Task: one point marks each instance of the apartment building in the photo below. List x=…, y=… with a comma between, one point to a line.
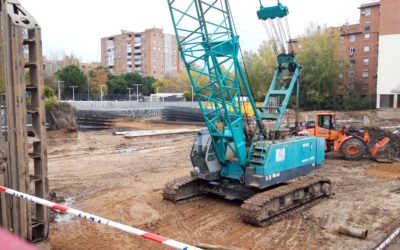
x=149, y=53
x=371, y=50
x=86, y=67
x=359, y=44
x=388, y=89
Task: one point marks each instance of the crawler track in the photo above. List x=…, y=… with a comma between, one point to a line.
x=273, y=205
x=182, y=190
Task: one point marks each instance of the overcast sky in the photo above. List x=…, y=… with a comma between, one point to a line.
x=76, y=26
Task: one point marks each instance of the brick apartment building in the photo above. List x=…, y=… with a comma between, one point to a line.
x=388, y=90
x=149, y=53
x=371, y=48
x=359, y=44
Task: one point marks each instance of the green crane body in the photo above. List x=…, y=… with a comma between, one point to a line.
x=225, y=161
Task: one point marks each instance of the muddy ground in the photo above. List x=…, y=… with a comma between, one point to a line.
x=122, y=179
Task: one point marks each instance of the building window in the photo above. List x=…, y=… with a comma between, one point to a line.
x=352, y=86
x=352, y=74
x=352, y=63
x=352, y=38
x=367, y=12
x=341, y=39
x=340, y=86
x=340, y=75
x=367, y=36
x=366, y=61
x=367, y=26
x=365, y=74
x=364, y=86
x=366, y=48
x=340, y=52
x=352, y=51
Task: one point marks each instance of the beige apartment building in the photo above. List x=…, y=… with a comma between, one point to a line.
x=149, y=53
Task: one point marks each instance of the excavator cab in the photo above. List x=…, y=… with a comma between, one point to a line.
x=326, y=126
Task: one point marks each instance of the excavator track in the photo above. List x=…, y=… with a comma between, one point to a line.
x=273, y=205
x=183, y=189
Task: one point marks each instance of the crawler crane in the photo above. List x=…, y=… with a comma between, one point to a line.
x=262, y=168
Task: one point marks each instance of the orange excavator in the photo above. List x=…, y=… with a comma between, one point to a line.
x=351, y=144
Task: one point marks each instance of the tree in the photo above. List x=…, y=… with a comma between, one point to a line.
x=321, y=60
x=117, y=85
x=55, y=61
x=146, y=87
x=178, y=84
x=72, y=76
x=260, y=67
x=98, y=77
x=49, y=91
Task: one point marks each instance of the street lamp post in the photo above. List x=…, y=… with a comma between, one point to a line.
x=137, y=92
x=73, y=92
x=129, y=89
x=59, y=89
x=88, y=89
x=192, y=93
x=101, y=92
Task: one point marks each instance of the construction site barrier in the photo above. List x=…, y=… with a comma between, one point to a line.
x=90, y=217
x=385, y=243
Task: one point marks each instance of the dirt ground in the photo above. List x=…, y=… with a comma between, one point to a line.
x=122, y=179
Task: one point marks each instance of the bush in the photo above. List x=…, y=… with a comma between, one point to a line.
x=49, y=91
x=50, y=103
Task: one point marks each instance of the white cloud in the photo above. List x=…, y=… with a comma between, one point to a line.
x=77, y=25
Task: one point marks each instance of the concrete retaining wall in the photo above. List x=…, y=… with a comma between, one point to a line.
x=127, y=105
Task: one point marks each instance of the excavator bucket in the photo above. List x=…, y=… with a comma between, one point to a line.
x=380, y=153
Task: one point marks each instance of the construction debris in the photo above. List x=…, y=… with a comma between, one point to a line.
x=62, y=116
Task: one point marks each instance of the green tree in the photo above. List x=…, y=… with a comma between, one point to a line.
x=72, y=76
x=49, y=91
x=260, y=68
x=117, y=85
x=320, y=57
x=146, y=87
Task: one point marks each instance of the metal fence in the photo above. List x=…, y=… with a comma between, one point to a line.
x=127, y=105
x=140, y=98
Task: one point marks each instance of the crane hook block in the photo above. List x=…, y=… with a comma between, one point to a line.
x=273, y=12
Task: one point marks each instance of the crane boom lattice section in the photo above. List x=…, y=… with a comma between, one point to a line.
x=209, y=48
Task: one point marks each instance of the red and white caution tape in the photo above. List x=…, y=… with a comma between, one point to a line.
x=100, y=220
x=387, y=241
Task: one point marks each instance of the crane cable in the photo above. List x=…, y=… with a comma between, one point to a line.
x=277, y=35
